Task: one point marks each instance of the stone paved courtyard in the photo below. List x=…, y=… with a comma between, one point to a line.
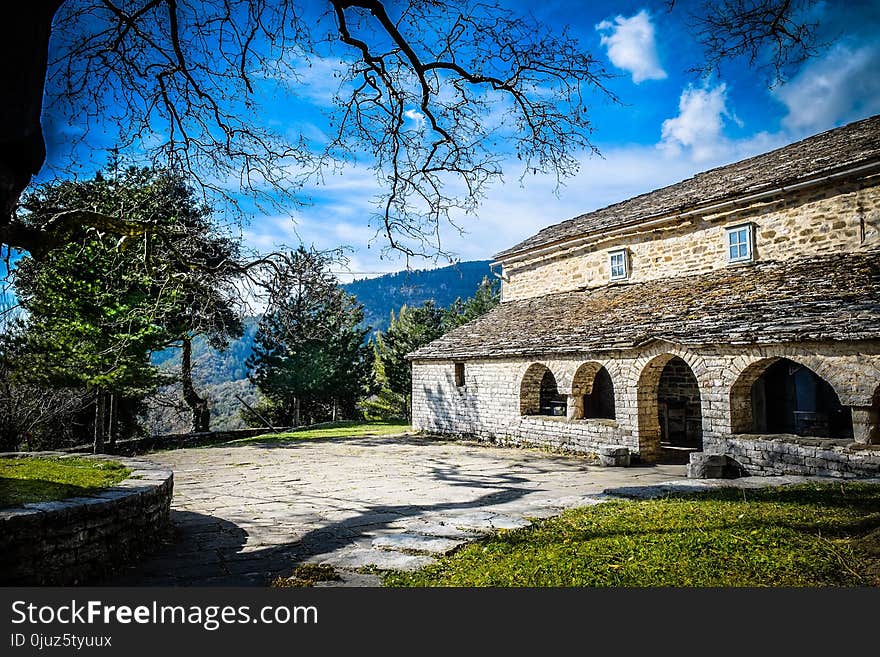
x=245, y=514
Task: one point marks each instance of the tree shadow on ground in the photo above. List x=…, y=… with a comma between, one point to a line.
x=15, y=492
x=368, y=440
x=210, y=551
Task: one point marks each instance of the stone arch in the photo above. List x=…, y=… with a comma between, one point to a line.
x=539, y=392
x=592, y=392
x=648, y=395
x=582, y=381
x=783, y=395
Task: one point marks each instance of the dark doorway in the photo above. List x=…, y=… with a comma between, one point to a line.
x=600, y=402
x=552, y=403
x=791, y=398
x=678, y=407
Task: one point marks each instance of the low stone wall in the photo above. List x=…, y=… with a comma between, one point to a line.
x=78, y=540
x=578, y=436
x=144, y=444
x=785, y=454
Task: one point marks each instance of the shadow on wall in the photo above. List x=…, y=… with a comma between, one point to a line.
x=457, y=405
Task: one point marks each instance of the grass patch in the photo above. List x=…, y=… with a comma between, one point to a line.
x=807, y=535
x=308, y=574
x=36, y=479
x=349, y=429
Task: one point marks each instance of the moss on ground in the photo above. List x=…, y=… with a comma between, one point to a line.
x=307, y=575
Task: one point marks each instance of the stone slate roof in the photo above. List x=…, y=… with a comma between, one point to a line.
x=825, y=298
x=822, y=154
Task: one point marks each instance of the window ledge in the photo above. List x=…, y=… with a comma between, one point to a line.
x=562, y=419
x=805, y=441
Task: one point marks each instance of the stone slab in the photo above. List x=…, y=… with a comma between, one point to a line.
x=416, y=543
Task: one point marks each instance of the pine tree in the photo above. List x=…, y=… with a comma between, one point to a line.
x=97, y=306
x=310, y=360
x=411, y=329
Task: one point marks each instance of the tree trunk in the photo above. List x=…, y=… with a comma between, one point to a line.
x=296, y=412
x=111, y=420
x=201, y=414
x=100, y=421
x=25, y=28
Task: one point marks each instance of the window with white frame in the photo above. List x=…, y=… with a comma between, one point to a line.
x=618, y=264
x=739, y=243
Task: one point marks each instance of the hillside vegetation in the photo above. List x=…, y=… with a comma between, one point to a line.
x=221, y=374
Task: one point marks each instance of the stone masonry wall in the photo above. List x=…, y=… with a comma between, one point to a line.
x=813, y=222
x=488, y=405
x=78, y=540
x=775, y=455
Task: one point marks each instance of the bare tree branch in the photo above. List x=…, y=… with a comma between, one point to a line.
x=770, y=34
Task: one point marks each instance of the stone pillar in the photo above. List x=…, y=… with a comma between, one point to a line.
x=866, y=424
x=575, y=407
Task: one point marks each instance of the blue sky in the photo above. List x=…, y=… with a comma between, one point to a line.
x=669, y=126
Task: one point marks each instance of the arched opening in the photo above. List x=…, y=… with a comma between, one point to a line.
x=599, y=403
x=539, y=394
x=670, y=410
x=679, y=411
x=781, y=396
x=593, y=393
x=551, y=402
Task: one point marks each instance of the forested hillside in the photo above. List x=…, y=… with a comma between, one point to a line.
x=222, y=374
x=386, y=293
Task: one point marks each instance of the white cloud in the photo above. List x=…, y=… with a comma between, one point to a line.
x=319, y=79
x=416, y=117
x=631, y=46
x=697, y=129
x=841, y=86
x=509, y=213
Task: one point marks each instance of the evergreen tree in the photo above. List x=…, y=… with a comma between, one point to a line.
x=310, y=361
x=460, y=312
x=98, y=307
x=411, y=329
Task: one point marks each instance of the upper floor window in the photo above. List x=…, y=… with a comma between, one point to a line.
x=459, y=374
x=739, y=243
x=618, y=264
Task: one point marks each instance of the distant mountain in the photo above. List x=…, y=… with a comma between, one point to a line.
x=212, y=365
x=385, y=293
x=222, y=374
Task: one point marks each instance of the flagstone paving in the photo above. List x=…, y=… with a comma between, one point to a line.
x=246, y=514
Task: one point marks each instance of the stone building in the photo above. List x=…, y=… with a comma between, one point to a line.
x=735, y=313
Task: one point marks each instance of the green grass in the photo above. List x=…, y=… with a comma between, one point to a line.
x=808, y=535
x=306, y=575
x=330, y=430
x=36, y=479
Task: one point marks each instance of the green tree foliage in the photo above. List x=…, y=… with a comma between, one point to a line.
x=411, y=329
x=310, y=361
x=98, y=306
x=486, y=297
x=412, y=287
